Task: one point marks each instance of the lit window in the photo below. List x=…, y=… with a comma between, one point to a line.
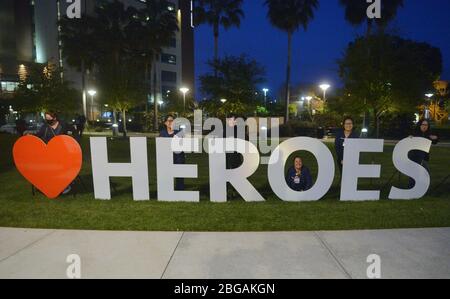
x=168, y=58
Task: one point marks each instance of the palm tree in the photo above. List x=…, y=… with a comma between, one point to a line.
x=110, y=25
x=289, y=16
x=217, y=13
x=77, y=47
x=159, y=26
x=356, y=13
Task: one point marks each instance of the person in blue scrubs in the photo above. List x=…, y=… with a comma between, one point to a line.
x=299, y=177
x=347, y=132
x=179, y=158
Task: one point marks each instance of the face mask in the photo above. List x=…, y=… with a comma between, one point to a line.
x=51, y=122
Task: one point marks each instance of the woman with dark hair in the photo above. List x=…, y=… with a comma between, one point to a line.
x=347, y=132
x=423, y=130
x=53, y=127
x=168, y=131
x=298, y=176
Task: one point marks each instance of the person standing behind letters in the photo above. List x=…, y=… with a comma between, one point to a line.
x=423, y=130
x=178, y=158
x=341, y=136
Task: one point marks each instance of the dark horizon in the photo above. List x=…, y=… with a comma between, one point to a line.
x=316, y=51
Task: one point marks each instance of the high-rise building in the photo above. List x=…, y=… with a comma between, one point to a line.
x=29, y=33
x=16, y=42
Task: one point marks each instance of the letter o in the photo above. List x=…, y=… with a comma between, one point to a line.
x=276, y=169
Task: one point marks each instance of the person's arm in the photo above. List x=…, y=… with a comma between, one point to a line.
x=41, y=132
x=70, y=130
x=308, y=179
x=434, y=139
x=339, y=148
x=289, y=181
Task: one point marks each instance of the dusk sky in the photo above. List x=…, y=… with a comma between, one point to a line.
x=316, y=51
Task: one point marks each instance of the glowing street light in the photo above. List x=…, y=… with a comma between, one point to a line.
x=223, y=101
x=429, y=96
x=265, y=90
x=92, y=93
x=324, y=88
x=184, y=91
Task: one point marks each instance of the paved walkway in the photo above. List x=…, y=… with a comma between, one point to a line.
x=416, y=253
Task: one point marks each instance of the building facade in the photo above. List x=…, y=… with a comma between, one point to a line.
x=29, y=33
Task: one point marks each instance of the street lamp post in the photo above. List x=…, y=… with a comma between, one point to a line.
x=92, y=93
x=430, y=96
x=309, y=99
x=324, y=88
x=265, y=90
x=223, y=101
x=184, y=91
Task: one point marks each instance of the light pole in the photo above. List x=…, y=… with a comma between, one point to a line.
x=309, y=99
x=324, y=88
x=184, y=91
x=430, y=96
x=223, y=101
x=265, y=90
x=92, y=93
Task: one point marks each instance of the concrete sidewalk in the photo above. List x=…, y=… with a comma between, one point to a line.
x=415, y=253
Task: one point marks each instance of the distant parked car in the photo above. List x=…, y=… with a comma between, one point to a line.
x=330, y=132
x=8, y=128
x=33, y=128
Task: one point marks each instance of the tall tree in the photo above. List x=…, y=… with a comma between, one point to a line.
x=391, y=77
x=289, y=16
x=217, y=13
x=356, y=13
x=110, y=26
x=234, y=79
x=78, y=47
x=119, y=38
x=43, y=90
x=158, y=26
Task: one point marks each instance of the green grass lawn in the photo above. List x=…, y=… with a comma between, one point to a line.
x=18, y=208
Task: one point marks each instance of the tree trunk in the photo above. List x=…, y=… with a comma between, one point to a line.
x=288, y=76
x=369, y=28
x=146, y=81
x=216, y=47
x=83, y=88
x=124, y=121
x=376, y=119
x=115, y=126
x=155, y=100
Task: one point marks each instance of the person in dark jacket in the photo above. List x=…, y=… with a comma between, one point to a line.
x=341, y=136
x=54, y=127
x=80, y=124
x=423, y=130
x=21, y=127
x=298, y=176
x=168, y=131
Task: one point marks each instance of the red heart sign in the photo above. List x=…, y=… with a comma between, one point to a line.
x=50, y=168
